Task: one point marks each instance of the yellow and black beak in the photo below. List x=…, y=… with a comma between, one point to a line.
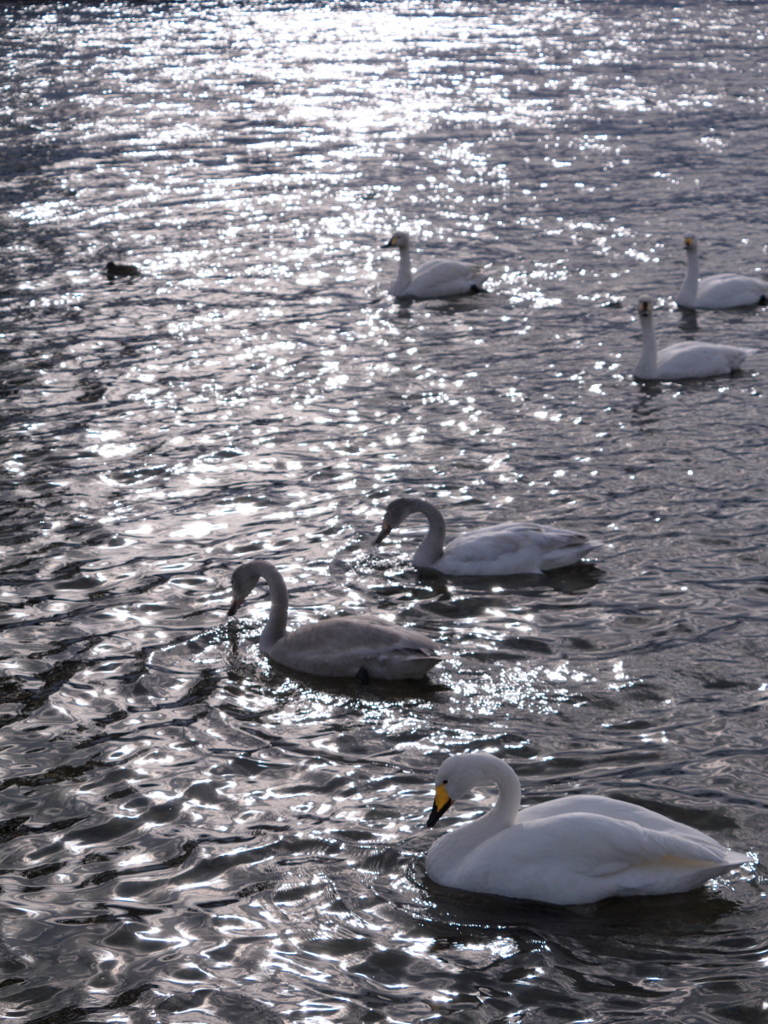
x=391, y=244
x=440, y=806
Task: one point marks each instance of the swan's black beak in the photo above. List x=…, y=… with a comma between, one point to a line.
x=385, y=531
x=440, y=806
x=236, y=602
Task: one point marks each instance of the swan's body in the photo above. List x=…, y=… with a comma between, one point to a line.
x=686, y=359
x=718, y=291
x=506, y=549
x=342, y=647
x=435, y=279
x=575, y=849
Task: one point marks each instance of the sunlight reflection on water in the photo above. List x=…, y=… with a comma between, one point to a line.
x=203, y=831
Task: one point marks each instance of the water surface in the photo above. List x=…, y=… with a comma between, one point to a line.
x=188, y=834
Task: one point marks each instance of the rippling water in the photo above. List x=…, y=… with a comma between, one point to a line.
x=187, y=834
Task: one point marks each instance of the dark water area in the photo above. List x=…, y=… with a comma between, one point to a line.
x=188, y=834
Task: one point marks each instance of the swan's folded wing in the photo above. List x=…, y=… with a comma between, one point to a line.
x=437, y=278
x=574, y=858
x=627, y=845
x=517, y=548
x=700, y=359
x=723, y=291
x=624, y=859
x=344, y=645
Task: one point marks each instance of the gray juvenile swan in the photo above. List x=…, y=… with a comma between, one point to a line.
x=575, y=849
x=343, y=647
x=686, y=359
x=505, y=549
x=435, y=279
x=718, y=291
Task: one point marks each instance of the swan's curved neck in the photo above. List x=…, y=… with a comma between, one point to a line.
x=278, y=611
x=403, y=269
x=431, y=548
x=687, y=294
x=504, y=811
x=647, y=364
x=500, y=816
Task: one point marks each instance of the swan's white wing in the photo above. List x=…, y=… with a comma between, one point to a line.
x=723, y=291
x=699, y=359
x=582, y=857
x=510, y=548
x=630, y=859
x=441, y=278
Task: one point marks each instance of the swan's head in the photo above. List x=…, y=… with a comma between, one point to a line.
x=396, y=511
x=690, y=243
x=399, y=240
x=244, y=579
x=645, y=309
x=457, y=776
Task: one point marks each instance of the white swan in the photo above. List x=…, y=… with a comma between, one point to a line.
x=718, y=291
x=686, y=359
x=435, y=279
x=342, y=647
x=575, y=849
x=506, y=549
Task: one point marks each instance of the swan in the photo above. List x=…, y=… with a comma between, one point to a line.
x=719, y=291
x=575, y=849
x=342, y=647
x=505, y=549
x=435, y=279
x=686, y=359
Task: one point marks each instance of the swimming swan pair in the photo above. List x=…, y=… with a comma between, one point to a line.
x=442, y=278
